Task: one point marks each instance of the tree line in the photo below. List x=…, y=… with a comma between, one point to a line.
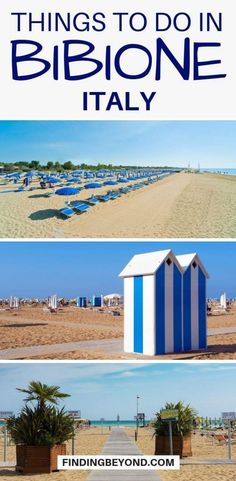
x=66, y=166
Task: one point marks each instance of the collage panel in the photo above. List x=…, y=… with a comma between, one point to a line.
x=87, y=412
x=112, y=300
x=117, y=179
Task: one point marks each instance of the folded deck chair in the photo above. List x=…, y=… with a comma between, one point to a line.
x=67, y=212
x=80, y=206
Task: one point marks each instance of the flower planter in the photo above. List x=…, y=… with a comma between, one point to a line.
x=181, y=445
x=38, y=459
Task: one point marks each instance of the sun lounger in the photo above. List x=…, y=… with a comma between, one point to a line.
x=80, y=206
x=67, y=212
x=104, y=198
x=125, y=190
x=114, y=195
x=92, y=200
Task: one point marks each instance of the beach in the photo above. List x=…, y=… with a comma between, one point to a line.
x=91, y=442
x=203, y=448
x=181, y=205
x=74, y=333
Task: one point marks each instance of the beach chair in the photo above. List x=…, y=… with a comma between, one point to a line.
x=80, y=206
x=92, y=200
x=67, y=212
x=125, y=190
x=114, y=195
x=104, y=198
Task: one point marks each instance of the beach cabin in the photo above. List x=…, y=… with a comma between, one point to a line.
x=153, y=304
x=194, y=302
x=81, y=302
x=97, y=301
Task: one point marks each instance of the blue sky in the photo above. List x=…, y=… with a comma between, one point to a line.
x=106, y=389
x=212, y=143
x=39, y=269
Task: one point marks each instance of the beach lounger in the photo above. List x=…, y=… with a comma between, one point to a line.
x=104, y=198
x=114, y=195
x=92, y=200
x=125, y=190
x=80, y=206
x=67, y=212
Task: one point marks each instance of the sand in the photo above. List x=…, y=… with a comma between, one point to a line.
x=89, y=441
x=203, y=448
x=33, y=326
x=30, y=326
x=182, y=205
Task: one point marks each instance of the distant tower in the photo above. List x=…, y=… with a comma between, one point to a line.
x=198, y=168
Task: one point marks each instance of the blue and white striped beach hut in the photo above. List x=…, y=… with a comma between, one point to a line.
x=81, y=302
x=97, y=301
x=194, y=302
x=153, y=304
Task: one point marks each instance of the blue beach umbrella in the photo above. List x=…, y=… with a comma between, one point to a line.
x=52, y=180
x=123, y=181
x=67, y=191
x=74, y=180
x=110, y=182
x=93, y=185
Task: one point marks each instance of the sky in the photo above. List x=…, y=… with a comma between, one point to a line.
x=107, y=389
x=212, y=143
x=70, y=269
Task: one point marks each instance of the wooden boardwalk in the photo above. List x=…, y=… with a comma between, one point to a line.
x=120, y=444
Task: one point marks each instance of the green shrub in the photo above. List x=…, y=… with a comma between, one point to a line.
x=182, y=427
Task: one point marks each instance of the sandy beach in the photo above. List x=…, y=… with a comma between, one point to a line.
x=30, y=327
x=92, y=441
x=181, y=205
x=89, y=441
x=203, y=448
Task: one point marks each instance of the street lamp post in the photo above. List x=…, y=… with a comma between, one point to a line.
x=137, y=411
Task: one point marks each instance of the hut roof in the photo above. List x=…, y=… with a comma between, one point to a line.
x=147, y=264
x=187, y=259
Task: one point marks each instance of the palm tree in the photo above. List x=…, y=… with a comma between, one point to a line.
x=43, y=394
x=183, y=426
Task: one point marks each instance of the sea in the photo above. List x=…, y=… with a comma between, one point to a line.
x=220, y=171
x=106, y=423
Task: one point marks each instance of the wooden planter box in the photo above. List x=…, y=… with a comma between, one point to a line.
x=182, y=446
x=38, y=459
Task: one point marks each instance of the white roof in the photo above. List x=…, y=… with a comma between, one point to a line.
x=112, y=296
x=147, y=264
x=186, y=259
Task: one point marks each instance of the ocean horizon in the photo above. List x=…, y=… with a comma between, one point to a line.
x=126, y=422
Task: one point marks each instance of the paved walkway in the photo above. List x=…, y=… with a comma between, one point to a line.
x=120, y=444
x=109, y=346
x=208, y=462
x=221, y=330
